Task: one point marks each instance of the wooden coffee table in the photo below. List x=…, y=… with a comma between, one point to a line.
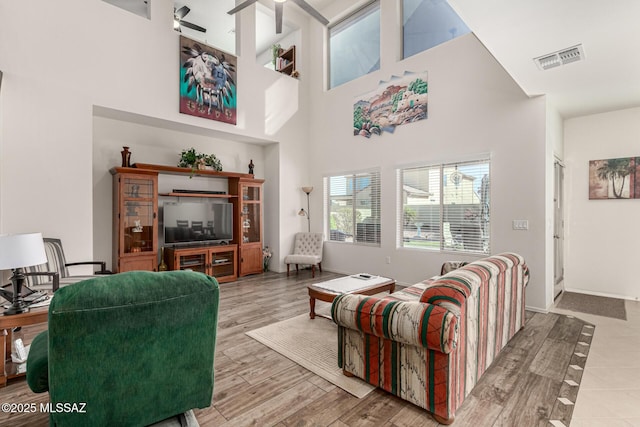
x=34, y=316
x=363, y=284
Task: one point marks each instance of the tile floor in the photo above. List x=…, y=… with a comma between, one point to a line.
x=609, y=394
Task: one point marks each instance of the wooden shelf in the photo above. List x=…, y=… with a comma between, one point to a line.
x=188, y=171
x=286, y=62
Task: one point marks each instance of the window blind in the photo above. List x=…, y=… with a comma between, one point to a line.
x=445, y=207
x=352, y=207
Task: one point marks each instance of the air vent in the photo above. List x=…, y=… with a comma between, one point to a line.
x=561, y=57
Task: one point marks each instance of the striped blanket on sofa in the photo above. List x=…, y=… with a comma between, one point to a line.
x=431, y=342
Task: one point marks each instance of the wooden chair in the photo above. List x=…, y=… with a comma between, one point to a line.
x=55, y=273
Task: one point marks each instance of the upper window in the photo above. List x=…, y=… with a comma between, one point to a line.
x=428, y=23
x=352, y=207
x=445, y=207
x=354, y=45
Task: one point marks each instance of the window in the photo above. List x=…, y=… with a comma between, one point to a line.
x=445, y=207
x=352, y=207
x=428, y=23
x=354, y=45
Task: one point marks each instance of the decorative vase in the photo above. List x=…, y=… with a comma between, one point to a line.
x=162, y=266
x=126, y=157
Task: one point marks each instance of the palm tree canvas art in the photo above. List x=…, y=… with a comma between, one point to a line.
x=614, y=178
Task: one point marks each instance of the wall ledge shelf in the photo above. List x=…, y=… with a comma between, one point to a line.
x=188, y=171
x=211, y=196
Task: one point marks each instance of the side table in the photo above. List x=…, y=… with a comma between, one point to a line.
x=7, y=324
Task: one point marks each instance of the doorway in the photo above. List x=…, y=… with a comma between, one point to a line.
x=558, y=228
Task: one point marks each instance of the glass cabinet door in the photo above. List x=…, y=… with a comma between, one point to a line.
x=251, y=222
x=139, y=214
x=250, y=193
x=223, y=263
x=251, y=214
x=194, y=262
x=138, y=188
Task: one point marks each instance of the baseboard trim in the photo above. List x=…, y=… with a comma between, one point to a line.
x=536, y=309
x=601, y=294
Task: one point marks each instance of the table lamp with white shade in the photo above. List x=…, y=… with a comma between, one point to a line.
x=16, y=252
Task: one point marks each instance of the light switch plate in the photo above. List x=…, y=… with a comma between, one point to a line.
x=520, y=224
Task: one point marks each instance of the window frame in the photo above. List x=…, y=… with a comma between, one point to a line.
x=484, y=208
x=403, y=42
x=351, y=17
x=376, y=205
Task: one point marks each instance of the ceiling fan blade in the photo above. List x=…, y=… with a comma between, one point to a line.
x=182, y=12
x=279, y=7
x=241, y=6
x=192, y=26
x=311, y=11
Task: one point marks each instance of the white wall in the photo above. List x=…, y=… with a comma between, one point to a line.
x=106, y=59
x=474, y=108
x=602, y=235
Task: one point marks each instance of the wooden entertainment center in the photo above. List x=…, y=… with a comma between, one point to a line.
x=136, y=233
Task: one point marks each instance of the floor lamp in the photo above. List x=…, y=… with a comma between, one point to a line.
x=18, y=251
x=302, y=212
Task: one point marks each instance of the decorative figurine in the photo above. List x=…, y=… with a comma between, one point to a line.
x=251, y=167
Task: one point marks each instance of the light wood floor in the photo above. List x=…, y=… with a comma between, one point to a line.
x=257, y=386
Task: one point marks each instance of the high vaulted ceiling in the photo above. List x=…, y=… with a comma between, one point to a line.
x=516, y=32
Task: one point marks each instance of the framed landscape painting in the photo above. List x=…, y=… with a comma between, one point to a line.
x=207, y=82
x=614, y=178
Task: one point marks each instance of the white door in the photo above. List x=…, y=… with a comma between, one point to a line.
x=558, y=229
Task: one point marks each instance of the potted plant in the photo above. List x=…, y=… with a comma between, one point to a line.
x=212, y=161
x=189, y=159
x=276, y=50
x=266, y=257
x=192, y=159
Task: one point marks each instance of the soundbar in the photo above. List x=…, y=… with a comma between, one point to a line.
x=199, y=191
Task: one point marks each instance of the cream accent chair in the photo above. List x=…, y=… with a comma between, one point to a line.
x=307, y=250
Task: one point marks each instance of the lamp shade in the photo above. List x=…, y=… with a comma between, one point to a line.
x=307, y=189
x=21, y=250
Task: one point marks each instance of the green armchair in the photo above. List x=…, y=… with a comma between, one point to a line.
x=134, y=348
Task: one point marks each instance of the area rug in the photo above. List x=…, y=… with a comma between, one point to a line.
x=592, y=304
x=312, y=344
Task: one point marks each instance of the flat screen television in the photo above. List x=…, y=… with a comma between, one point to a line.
x=197, y=222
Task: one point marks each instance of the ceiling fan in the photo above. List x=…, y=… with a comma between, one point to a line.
x=178, y=22
x=279, y=6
